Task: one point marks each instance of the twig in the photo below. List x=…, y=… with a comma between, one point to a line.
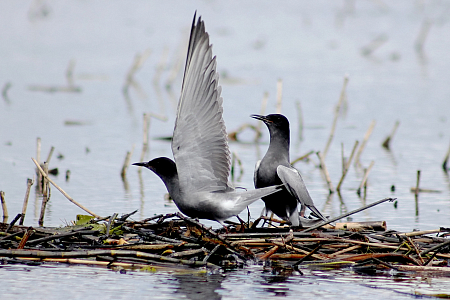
x=211, y=253
x=336, y=116
x=5, y=89
x=279, y=95
x=423, y=33
x=387, y=141
x=235, y=158
x=110, y=221
x=13, y=222
x=325, y=172
x=25, y=201
x=364, y=142
x=25, y=237
x=302, y=157
x=347, y=166
x=69, y=72
x=366, y=175
x=50, y=155
x=126, y=163
x=62, y=191
x=4, y=208
x=349, y=213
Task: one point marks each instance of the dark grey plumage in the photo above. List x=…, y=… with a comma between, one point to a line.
x=198, y=179
x=275, y=168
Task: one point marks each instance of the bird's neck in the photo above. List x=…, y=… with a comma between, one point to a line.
x=279, y=145
x=172, y=184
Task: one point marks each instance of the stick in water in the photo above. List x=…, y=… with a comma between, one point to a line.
x=62, y=191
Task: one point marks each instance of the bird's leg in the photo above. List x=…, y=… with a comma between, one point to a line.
x=264, y=212
x=302, y=210
x=242, y=223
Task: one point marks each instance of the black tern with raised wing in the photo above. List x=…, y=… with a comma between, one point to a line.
x=198, y=179
x=275, y=168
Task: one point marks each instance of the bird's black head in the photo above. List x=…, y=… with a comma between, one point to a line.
x=162, y=166
x=274, y=121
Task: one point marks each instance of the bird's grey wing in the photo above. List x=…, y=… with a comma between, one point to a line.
x=296, y=186
x=199, y=144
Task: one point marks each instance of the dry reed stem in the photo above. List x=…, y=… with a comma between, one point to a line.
x=416, y=191
x=4, y=208
x=69, y=72
x=336, y=115
x=387, y=141
x=62, y=191
x=348, y=214
x=279, y=96
x=366, y=175
x=49, y=157
x=126, y=163
x=25, y=200
x=347, y=166
x=373, y=45
x=422, y=36
x=302, y=157
x=364, y=142
x=235, y=158
x=325, y=172
x=5, y=89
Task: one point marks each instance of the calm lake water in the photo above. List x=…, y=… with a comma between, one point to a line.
x=309, y=45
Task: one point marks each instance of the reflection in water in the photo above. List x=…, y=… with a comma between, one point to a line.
x=200, y=287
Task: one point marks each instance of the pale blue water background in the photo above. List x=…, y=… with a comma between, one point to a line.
x=309, y=45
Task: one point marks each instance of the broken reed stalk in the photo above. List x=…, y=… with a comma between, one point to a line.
x=4, y=208
x=325, y=172
x=235, y=158
x=373, y=45
x=126, y=163
x=444, y=164
x=145, y=128
x=69, y=72
x=416, y=191
x=62, y=191
x=349, y=213
x=279, y=95
x=300, y=120
x=45, y=195
x=25, y=200
x=336, y=116
x=50, y=155
x=366, y=175
x=387, y=141
x=347, y=166
x=38, y=158
x=364, y=142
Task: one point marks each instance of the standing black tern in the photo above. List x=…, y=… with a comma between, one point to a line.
x=198, y=179
x=275, y=168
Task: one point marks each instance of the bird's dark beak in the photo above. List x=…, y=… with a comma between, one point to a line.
x=261, y=118
x=141, y=164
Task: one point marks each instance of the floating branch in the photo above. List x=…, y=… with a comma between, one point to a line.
x=364, y=142
x=366, y=175
x=387, y=141
x=347, y=166
x=325, y=172
x=336, y=116
x=62, y=191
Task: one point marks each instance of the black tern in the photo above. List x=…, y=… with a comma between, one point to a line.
x=275, y=168
x=198, y=179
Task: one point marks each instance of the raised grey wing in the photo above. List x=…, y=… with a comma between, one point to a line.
x=296, y=186
x=199, y=144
